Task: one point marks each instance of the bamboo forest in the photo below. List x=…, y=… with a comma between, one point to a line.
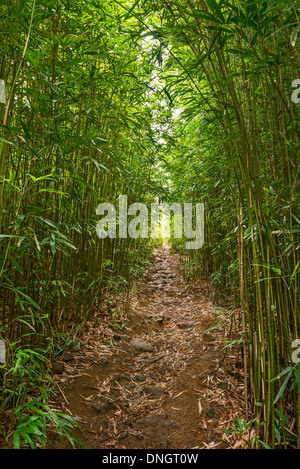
x=149, y=241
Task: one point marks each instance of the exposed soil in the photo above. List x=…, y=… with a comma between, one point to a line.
x=181, y=394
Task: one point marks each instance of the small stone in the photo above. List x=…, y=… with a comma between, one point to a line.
x=168, y=424
x=58, y=368
x=104, y=423
x=183, y=325
x=68, y=357
x=103, y=437
x=140, y=378
x=97, y=407
x=123, y=435
x=210, y=413
x=151, y=420
x=107, y=403
x=121, y=377
x=103, y=404
x=141, y=345
x=103, y=362
x=155, y=391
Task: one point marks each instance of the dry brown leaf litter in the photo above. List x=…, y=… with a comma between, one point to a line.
x=182, y=395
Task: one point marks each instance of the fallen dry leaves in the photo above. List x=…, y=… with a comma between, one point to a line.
x=187, y=331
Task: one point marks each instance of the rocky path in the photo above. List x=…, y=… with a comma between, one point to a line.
x=153, y=375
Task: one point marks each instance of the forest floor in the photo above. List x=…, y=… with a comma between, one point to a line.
x=182, y=392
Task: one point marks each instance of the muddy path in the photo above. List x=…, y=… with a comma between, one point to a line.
x=178, y=392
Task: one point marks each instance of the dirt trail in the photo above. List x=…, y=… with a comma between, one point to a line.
x=171, y=397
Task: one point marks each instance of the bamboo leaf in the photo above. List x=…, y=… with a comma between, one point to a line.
x=283, y=387
x=294, y=35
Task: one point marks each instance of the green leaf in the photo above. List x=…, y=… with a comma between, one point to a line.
x=297, y=377
x=281, y=415
x=5, y=141
x=16, y=440
x=265, y=445
x=294, y=35
x=295, y=270
x=282, y=389
x=30, y=300
x=282, y=373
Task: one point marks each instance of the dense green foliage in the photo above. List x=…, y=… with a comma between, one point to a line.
x=72, y=138
x=75, y=132
x=185, y=100
x=238, y=152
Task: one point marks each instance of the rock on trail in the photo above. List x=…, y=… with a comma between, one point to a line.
x=142, y=345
